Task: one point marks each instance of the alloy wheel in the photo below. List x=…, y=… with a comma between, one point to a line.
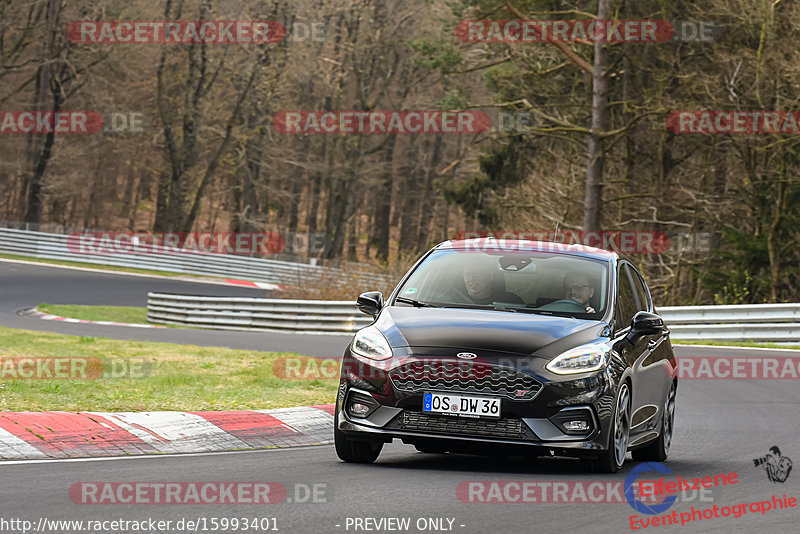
x=669, y=418
x=622, y=425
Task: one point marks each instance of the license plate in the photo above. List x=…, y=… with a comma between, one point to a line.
x=446, y=403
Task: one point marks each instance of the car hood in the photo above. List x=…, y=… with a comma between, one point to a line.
x=484, y=330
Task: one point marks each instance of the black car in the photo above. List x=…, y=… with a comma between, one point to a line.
x=492, y=346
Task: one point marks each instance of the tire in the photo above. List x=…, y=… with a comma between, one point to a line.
x=354, y=450
x=658, y=449
x=613, y=458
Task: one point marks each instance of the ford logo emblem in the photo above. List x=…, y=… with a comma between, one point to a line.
x=466, y=355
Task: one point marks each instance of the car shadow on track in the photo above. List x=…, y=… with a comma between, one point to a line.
x=510, y=464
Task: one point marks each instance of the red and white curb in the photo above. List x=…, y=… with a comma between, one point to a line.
x=38, y=435
x=50, y=317
x=249, y=283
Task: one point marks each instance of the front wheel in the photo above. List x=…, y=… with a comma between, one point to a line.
x=658, y=449
x=613, y=458
x=354, y=450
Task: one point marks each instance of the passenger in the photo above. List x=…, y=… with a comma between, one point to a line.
x=578, y=289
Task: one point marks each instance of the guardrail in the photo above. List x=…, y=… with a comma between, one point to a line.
x=746, y=322
x=43, y=245
x=758, y=322
x=244, y=313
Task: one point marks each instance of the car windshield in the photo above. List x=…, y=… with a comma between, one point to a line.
x=516, y=281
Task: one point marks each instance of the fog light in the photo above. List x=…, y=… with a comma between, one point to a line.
x=576, y=426
x=358, y=409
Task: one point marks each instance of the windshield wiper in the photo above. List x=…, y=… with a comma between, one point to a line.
x=415, y=303
x=523, y=310
x=469, y=306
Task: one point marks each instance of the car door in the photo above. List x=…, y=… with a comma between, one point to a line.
x=632, y=352
x=651, y=376
x=655, y=366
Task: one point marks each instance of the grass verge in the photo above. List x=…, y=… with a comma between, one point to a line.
x=100, y=267
x=754, y=344
x=119, y=314
x=152, y=376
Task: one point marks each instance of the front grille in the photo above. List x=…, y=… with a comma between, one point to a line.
x=464, y=377
x=444, y=424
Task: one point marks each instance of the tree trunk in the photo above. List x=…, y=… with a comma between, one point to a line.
x=145, y=180
x=294, y=213
x=162, y=202
x=251, y=177
x=426, y=214
x=90, y=216
x=40, y=152
x=352, y=239
x=313, y=208
x=340, y=197
x=596, y=151
x=382, y=203
x=128, y=196
x=773, y=239
x=412, y=193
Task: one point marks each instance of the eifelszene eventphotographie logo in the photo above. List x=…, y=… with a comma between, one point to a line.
x=777, y=467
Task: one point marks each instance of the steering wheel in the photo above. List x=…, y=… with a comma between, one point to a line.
x=564, y=305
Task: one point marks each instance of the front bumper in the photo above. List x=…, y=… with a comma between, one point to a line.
x=532, y=421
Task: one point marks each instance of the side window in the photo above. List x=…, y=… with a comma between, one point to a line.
x=642, y=296
x=626, y=301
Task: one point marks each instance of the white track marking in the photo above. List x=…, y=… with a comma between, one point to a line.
x=15, y=447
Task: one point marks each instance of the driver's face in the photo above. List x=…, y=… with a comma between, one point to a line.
x=577, y=288
x=478, y=280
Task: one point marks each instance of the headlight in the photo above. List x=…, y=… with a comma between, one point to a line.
x=370, y=343
x=581, y=359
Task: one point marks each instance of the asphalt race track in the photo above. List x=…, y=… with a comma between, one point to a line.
x=721, y=426
x=23, y=285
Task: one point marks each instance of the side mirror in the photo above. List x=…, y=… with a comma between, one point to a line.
x=370, y=302
x=645, y=324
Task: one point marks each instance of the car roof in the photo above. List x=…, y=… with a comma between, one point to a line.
x=491, y=244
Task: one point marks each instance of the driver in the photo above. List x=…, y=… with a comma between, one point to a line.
x=479, y=278
x=578, y=289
